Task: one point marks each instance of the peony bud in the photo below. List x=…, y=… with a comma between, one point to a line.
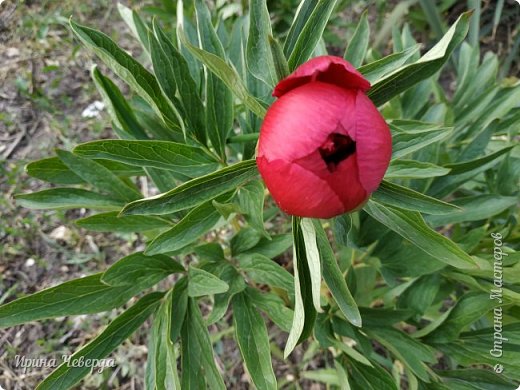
x=324, y=147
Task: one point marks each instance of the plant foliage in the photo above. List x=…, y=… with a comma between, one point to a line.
x=400, y=295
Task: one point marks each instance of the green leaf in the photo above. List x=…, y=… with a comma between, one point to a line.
x=371, y=378
x=421, y=294
x=197, y=222
x=198, y=363
x=253, y=342
x=475, y=379
x=128, y=69
x=67, y=198
x=376, y=70
x=225, y=271
x=227, y=74
x=273, y=247
x=335, y=279
x=69, y=373
x=472, y=348
x=345, y=231
x=303, y=14
x=273, y=306
x=383, y=317
x=196, y=191
x=219, y=100
x=358, y=45
x=409, y=75
x=251, y=199
x=98, y=176
x=468, y=309
x=281, y=66
x=173, y=75
x=475, y=208
x=181, y=158
x=412, y=227
x=136, y=25
x=258, y=52
x=405, y=142
x=313, y=260
x=138, y=269
x=411, y=169
x=52, y=170
x=161, y=364
x=80, y=296
x=408, y=350
x=433, y=17
x=311, y=33
x=111, y=222
x=179, y=304
x=395, y=195
x=304, y=312
x=263, y=270
x=245, y=239
x=350, y=351
x=202, y=283
x=324, y=375
x=461, y=172
x=122, y=115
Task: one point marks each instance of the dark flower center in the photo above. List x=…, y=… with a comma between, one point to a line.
x=335, y=149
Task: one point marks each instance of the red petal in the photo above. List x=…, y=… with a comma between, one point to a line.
x=373, y=143
x=300, y=121
x=344, y=181
x=328, y=69
x=298, y=191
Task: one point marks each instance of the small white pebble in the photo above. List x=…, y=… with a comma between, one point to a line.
x=61, y=233
x=93, y=109
x=11, y=52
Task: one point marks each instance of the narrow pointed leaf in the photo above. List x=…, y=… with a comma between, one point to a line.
x=111, y=222
x=227, y=74
x=138, y=268
x=311, y=33
x=98, y=176
x=202, y=283
x=198, y=363
x=411, y=169
x=196, y=223
x=412, y=227
x=67, y=375
x=196, y=191
x=405, y=198
x=426, y=66
x=67, y=198
x=304, y=312
x=258, y=52
x=174, y=76
x=128, y=69
x=120, y=111
x=313, y=260
x=253, y=342
x=80, y=296
x=358, y=45
x=161, y=364
x=185, y=159
x=376, y=70
x=335, y=279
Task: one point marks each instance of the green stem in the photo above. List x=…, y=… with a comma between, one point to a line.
x=237, y=139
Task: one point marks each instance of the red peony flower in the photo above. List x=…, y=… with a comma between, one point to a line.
x=324, y=147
